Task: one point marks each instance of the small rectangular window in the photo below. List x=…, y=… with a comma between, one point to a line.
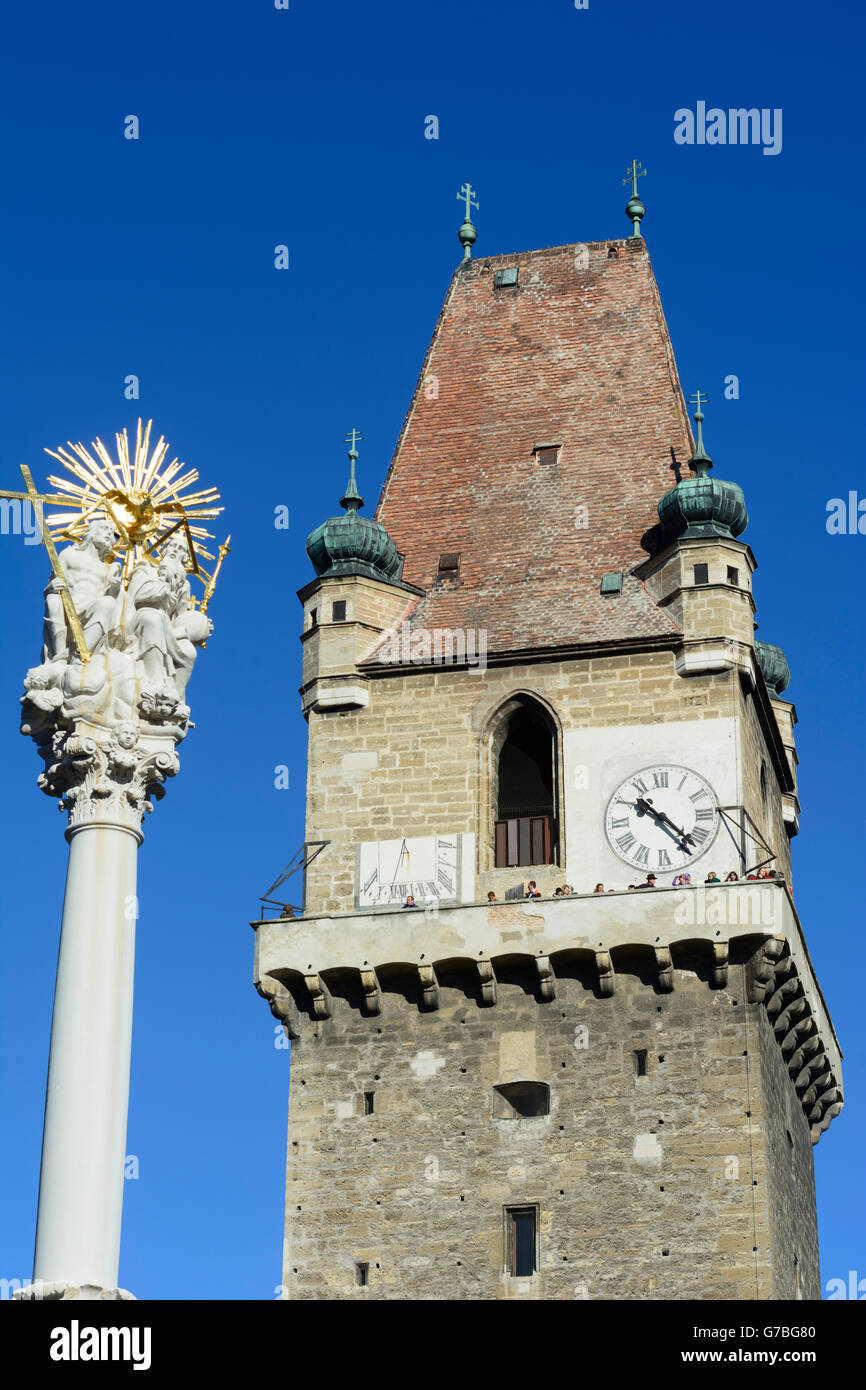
x=506, y=278
x=449, y=565
x=702, y=574
x=368, y=1102
x=314, y=614
x=733, y=575
x=640, y=1061
x=362, y=1274
x=338, y=611
x=521, y=1238
x=546, y=453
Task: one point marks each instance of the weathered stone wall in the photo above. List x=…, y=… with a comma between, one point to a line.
x=652, y=1187
x=790, y=1190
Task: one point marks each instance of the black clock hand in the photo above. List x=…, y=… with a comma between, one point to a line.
x=645, y=805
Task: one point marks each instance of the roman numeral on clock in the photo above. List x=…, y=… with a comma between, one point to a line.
x=699, y=835
x=660, y=779
x=625, y=842
x=641, y=786
x=664, y=861
x=704, y=815
x=618, y=824
x=642, y=855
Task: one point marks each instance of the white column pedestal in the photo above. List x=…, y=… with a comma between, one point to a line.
x=84, y=1139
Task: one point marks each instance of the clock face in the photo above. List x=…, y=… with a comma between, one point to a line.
x=662, y=818
x=425, y=867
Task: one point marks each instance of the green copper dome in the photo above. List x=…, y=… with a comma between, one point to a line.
x=703, y=506
x=353, y=544
x=774, y=665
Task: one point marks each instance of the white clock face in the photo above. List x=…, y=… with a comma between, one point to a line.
x=662, y=818
x=425, y=867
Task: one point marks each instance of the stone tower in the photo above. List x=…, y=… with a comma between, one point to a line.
x=538, y=663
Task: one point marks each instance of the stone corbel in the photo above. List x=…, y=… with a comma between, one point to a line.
x=782, y=995
x=546, y=977
x=764, y=968
x=665, y=968
x=372, y=992
x=606, y=977
x=720, y=964
x=488, y=981
x=789, y=1016
x=429, y=986
x=805, y=1050
x=280, y=1003
x=319, y=994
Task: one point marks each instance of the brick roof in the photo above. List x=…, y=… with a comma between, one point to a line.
x=577, y=355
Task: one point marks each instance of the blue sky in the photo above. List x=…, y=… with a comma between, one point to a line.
x=305, y=127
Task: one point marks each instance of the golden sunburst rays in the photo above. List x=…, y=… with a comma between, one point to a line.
x=145, y=499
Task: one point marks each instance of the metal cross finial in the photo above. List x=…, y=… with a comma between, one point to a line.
x=699, y=399
x=352, y=499
x=634, y=172
x=353, y=438
x=467, y=193
x=634, y=208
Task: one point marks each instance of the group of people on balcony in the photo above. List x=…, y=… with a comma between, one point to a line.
x=531, y=889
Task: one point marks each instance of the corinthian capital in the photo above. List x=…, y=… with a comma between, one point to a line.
x=107, y=775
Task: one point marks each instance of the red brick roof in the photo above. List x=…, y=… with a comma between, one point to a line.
x=577, y=355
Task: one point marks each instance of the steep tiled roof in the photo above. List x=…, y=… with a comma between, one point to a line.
x=577, y=355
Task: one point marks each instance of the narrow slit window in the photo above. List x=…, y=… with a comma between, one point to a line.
x=640, y=1057
x=314, y=615
x=362, y=1275
x=733, y=575
x=521, y=1226
x=338, y=612
x=369, y=1098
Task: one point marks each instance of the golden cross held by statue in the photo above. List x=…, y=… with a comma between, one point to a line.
x=37, y=500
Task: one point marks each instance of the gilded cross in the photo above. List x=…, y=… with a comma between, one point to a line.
x=634, y=172
x=467, y=193
x=37, y=501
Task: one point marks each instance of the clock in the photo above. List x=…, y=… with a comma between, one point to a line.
x=425, y=866
x=662, y=818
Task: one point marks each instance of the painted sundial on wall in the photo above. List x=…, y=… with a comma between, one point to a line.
x=662, y=818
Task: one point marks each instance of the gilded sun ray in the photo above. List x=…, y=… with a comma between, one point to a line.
x=144, y=498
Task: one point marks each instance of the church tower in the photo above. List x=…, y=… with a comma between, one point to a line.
x=538, y=665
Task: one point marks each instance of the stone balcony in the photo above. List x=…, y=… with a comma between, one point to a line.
x=659, y=931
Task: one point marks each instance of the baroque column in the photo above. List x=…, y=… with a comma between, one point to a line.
x=106, y=708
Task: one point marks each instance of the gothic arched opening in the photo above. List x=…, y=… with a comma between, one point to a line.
x=525, y=755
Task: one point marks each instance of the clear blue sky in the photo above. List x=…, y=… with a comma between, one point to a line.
x=155, y=257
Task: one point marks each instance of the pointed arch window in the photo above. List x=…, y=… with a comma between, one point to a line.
x=525, y=790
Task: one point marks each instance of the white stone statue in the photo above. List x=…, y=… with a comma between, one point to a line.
x=93, y=581
x=142, y=644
